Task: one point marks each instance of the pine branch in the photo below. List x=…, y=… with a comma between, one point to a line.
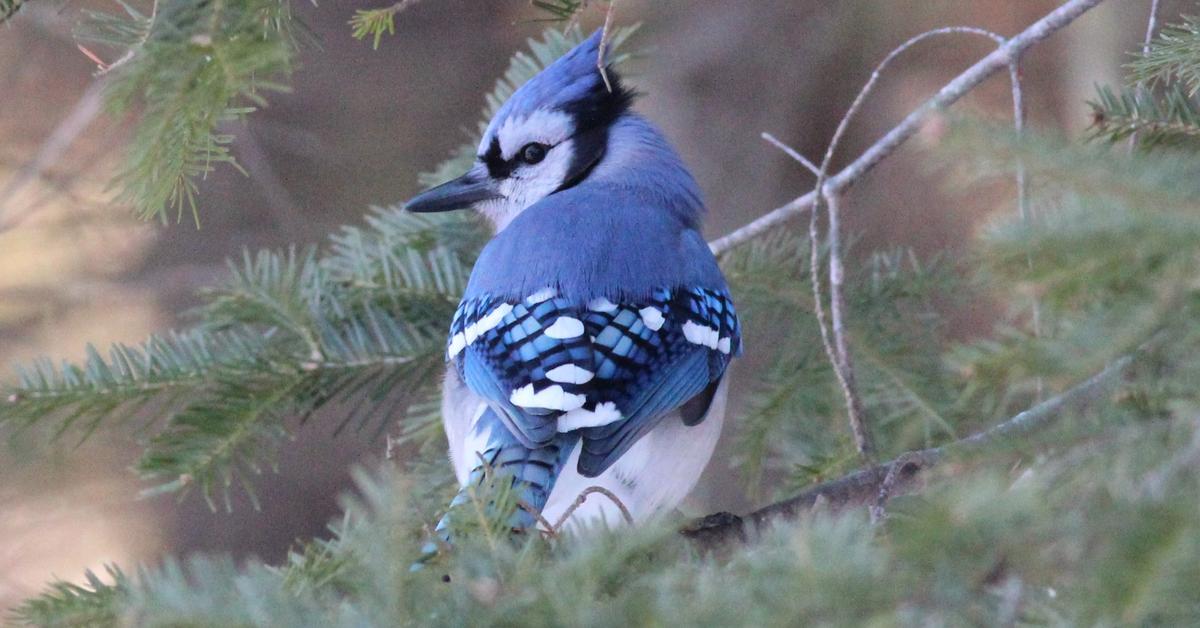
x=375, y=22
x=1153, y=120
x=1172, y=56
x=287, y=334
x=96, y=603
x=191, y=66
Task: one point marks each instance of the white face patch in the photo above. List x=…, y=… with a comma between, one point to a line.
x=542, y=126
x=550, y=398
x=604, y=414
x=529, y=183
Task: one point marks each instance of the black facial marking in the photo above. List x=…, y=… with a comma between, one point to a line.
x=592, y=115
x=497, y=167
x=600, y=106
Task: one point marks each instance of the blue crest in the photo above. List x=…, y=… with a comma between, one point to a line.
x=572, y=84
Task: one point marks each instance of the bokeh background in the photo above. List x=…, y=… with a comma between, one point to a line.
x=359, y=126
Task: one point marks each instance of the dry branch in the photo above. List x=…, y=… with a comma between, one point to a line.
x=872, y=486
x=998, y=59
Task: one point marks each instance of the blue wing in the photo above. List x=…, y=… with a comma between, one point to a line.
x=607, y=371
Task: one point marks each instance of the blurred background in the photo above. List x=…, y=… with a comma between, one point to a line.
x=355, y=131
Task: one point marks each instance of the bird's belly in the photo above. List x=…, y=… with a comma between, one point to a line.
x=654, y=476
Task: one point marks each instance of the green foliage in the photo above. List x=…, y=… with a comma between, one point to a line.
x=8, y=8
x=375, y=22
x=794, y=424
x=1094, y=529
x=64, y=604
x=287, y=334
x=1088, y=523
x=1174, y=55
x=189, y=67
x=1172, y=118
x=1159, y=104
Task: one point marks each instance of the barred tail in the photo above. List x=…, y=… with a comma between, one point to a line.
x=533, y=472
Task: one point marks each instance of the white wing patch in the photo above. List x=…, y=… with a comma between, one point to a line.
x=652, y=317
x=700, y=334
x=487, y=323
x=550, y=398
x=569, y=374
x=564, y=328
x=604, y=414
x=545, y=294
x=601, y=304
x=457, y=344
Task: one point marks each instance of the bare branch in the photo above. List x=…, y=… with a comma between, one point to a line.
x=839, y=352
x=582, y=497
x=994, y=62
x=864, y=487
x=1141, y=88
x=605, y=34
x=843, y=362
x=61, y=138
x=791, y=152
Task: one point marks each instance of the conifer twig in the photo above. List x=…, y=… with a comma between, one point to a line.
x=997, y=60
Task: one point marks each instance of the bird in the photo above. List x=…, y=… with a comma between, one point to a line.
x=593, y=339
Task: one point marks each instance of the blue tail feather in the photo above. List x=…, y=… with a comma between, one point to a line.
x=533, y=472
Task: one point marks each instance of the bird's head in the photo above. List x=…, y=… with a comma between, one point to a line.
x=548, y=136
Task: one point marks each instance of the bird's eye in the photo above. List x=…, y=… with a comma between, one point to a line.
x=533, y=152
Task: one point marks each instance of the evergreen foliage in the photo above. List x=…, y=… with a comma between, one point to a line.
x=8, y=8
x=188, y=66
x=1159, y=106
x=1088, y=522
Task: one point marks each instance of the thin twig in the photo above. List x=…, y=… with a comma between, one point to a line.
x=1023, y=206
x=865, y=486
x=86, y=109
x=548, y=529
x=603, y=48
x=995, y=61
x=839, y=351
x=1141, y=87
x=791, y=152
x=878, y=510
x=583, y=495
x=843, y=361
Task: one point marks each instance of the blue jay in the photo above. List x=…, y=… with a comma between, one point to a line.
x=591, y=344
